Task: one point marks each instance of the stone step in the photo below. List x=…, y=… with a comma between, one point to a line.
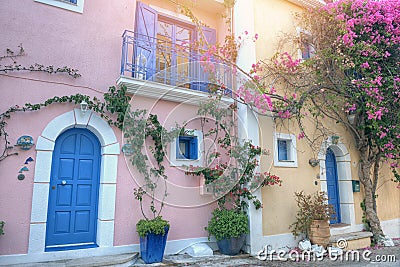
x=351, y=241
x=110, y=260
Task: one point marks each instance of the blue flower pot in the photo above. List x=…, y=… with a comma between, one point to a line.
x=152, y=247
x=231, y=246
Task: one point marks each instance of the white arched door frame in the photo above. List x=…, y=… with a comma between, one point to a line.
x=343, y=162
x=110, y=150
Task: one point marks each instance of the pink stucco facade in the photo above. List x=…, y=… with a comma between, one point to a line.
x=90, y=42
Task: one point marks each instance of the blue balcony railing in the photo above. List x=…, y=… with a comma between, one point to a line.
x=175, y=64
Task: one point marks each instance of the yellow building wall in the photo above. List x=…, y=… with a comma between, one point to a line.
x=273, y=19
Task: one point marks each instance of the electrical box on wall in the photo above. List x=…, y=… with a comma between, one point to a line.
x=356, y=185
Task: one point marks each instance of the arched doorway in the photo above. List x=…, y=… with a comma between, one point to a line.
x=74, y=189
x=333, y=154
x=109, y=152
x=332, y=185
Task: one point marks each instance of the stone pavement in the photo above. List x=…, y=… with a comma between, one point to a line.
x=384, y=256
x=376, y=257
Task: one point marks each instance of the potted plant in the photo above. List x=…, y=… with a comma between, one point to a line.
x=152, y=229
x=231, y=172
x=229, y=227
x=312, y=218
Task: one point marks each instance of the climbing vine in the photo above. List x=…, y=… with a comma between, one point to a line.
x=115, y=101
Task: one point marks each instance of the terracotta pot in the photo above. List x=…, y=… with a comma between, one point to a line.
x=319, y=232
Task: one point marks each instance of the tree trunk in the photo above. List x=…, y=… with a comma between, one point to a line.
x=370, y=213
x=375, y=178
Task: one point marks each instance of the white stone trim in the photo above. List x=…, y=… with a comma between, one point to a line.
x=160, y=91
x=187, y=162
x=344, y=181
x=108, y=175
x=248, y=129
x=42, y=171
x=109, y=165
x=292, y=163
x=391, y=228
x=65, y=5
x=44, y=144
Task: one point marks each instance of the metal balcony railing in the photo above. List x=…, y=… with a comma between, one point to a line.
x=171, y=63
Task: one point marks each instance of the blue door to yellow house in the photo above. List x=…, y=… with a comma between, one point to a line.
x=332, y=184
x=74, y=190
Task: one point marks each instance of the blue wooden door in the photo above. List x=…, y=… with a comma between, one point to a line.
x=73, y=194
x=332, y=184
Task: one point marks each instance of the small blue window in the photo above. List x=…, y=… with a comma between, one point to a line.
x=73, y=1
x=187, y=147
x=283, y=150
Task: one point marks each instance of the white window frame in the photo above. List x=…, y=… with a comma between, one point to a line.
x=176, y=162
x=78, y=7
x=292, y=151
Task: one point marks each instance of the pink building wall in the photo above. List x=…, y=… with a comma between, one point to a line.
x=91, y=43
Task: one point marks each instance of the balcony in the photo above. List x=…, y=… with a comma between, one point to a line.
x=158, y=68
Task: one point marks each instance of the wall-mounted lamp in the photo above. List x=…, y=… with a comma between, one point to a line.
x=351, y=117
x=84, y=107
x=313, y=162
x=335, y=139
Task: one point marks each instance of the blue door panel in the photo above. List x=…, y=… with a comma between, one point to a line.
x=66, y=169
x=84, y=195
x=68, y=145
x=86, y=146
x=64, y=195
x=82, y=222
x=73, y=194
x=85, y=169
x=332, y=185
x=62, y=222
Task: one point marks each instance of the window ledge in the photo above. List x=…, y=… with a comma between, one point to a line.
x=78, y=7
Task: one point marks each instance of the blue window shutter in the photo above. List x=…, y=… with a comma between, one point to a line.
x=178, y=149
x=201, y=76
x=210, y=35
x=193, y=148
x=282, y=150
x=144, y=43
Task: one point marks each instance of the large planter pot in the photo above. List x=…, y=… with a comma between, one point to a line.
x=231, y=246
x=320, y=232
x=152, y=247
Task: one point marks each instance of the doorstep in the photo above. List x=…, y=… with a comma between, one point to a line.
x=354, y=240
x=120, y=260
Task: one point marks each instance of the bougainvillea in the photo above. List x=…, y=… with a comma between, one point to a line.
x=353, y=73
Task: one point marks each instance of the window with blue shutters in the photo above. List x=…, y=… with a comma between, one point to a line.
x=163, y=46
x=72, y=5
x=187, y=147
x=283, y=150
x=285, y=153
x=186, y=150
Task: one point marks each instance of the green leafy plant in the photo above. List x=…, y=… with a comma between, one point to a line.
x=2, y=223
x=311, y=207
x=116, y=101
x=227, y=223
x=231, y=169
x=137, y=128
x=156, y=226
